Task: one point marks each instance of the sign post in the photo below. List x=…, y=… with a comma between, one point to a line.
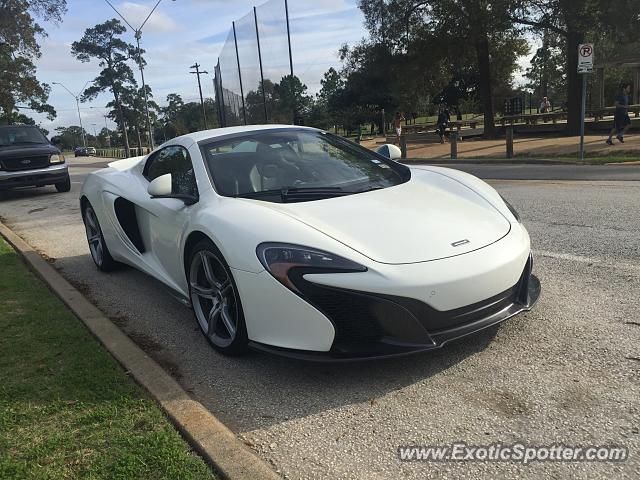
x=585, y=67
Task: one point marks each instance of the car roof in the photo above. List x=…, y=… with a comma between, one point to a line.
x=219, y=132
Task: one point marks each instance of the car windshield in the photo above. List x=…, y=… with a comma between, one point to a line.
x=296, y=165
x=18, y=135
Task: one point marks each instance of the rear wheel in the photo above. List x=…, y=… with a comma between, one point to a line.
x=97, y=246
x=64, y=186
x=215, y=300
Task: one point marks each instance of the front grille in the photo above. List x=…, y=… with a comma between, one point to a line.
x=363, y=321
x=25, y=163
x=353, y=315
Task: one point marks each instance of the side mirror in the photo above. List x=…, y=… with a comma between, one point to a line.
x=162, y=187
x=390, y=151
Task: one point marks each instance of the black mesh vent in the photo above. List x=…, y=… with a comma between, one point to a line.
x=353, y=315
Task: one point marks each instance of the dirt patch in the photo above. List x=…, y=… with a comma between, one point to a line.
x=168, y=365
x=47, y=258
x=145, y=342
x=155, y=351
x=82, y=288
x=120, y=321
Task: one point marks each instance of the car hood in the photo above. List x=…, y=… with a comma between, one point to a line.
x=25, y=150
x=427, y=218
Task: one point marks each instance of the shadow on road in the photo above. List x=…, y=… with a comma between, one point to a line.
x=259, y=389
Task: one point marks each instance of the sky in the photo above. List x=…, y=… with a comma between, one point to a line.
x=182, y=32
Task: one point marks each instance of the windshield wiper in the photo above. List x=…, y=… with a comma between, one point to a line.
x=370, y=189
x=293, y=193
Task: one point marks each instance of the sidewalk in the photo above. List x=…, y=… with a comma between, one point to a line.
x=540, y=148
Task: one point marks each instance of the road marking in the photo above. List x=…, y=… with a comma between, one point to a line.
x=588, y=260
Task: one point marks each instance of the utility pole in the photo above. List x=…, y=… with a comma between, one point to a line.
x=138, y=34
x=198, y=73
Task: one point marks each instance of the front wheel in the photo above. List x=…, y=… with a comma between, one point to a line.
x=97, y=246
x=215, y=299
x=64, y=186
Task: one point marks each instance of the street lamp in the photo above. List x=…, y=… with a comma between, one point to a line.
x=77, y=97
x=138, y=35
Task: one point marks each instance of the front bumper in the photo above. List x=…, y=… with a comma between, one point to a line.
x=29, y=178
x=369, y=325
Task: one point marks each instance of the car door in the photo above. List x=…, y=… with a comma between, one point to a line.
x=163, y=221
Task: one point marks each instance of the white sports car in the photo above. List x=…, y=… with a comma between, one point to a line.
x=295, y=241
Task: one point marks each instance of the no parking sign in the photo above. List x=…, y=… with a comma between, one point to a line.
x=585, y=58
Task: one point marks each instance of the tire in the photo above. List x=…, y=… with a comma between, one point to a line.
x=64, y=186
x=215, y=299
x=97, y=246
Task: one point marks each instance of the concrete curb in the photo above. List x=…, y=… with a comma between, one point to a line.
x=204, y=432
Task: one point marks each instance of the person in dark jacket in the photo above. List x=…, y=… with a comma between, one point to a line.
x=621, y=120
x=443, y=120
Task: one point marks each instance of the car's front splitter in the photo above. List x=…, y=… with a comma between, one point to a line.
x=370, y=326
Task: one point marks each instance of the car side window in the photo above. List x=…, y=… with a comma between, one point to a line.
x=176, y=161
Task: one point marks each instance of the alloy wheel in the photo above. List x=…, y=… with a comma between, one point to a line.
x=94, y=236
x=213, y=298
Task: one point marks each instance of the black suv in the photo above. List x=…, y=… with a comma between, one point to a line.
x=27, y=159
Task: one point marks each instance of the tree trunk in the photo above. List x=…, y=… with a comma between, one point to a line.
x=486, y=92
x=574, y=85
x=123, y=124
x=139, y=140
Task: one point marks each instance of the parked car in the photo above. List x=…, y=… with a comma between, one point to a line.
x=91, y=151
x=298, y=242
x=80, y=152
x=28, y=159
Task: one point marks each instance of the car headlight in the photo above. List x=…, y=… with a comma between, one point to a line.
x=287, y=263
x=513, y=211
x=56, y=159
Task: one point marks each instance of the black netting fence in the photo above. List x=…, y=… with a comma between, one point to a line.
x=254, y=75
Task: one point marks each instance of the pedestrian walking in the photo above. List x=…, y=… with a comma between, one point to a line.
x=444, y=117
x=621, y=120
x=397, y=126
x=545, y=105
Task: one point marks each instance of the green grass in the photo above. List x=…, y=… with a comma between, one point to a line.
x=67, y=409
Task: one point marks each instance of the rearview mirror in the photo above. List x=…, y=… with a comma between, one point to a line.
x=162, y=187
x=390, y=151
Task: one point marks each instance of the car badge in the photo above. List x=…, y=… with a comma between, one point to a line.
x=25, y=162
x=460, y=243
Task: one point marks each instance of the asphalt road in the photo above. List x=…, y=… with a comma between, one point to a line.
x=567, y=372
